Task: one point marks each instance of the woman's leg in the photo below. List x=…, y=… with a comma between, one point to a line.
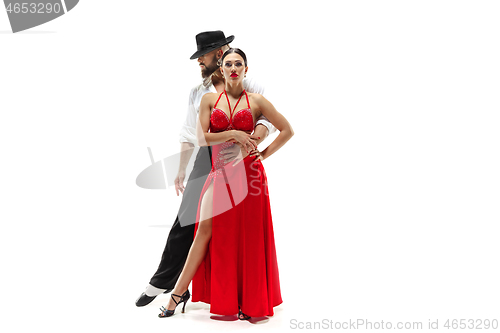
x=198, y=249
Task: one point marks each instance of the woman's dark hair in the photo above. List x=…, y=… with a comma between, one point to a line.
x=234, y=50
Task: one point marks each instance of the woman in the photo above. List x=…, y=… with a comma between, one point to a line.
x=232, y=261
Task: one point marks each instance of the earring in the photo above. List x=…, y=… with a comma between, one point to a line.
x=219, y=62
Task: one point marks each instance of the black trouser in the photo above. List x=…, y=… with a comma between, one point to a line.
x=181, y=235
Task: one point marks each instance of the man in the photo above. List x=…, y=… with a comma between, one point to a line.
x=211, y=46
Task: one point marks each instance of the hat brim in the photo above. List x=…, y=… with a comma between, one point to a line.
x=198, y=54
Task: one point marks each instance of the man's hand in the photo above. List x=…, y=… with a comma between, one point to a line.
x=243, y=153
x=179, y=182
x=230, y=153
x=237, y=153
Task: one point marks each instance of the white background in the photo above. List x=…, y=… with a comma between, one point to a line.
x=385, y=202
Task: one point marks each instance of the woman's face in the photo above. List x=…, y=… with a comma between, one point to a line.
x=233, y=68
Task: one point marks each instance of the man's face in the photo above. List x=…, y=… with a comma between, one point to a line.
x=208, y=63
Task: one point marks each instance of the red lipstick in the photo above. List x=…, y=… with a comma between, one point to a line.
x=234, y=75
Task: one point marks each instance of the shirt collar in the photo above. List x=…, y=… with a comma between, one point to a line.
x=207, y=82
x=208, y=85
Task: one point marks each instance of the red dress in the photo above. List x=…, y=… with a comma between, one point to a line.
x=240, y=268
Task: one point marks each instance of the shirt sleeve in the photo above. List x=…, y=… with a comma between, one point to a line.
x=188, y=130
x=263, y=121
x=256, y=88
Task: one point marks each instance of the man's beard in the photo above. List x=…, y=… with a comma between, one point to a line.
x=209, y=68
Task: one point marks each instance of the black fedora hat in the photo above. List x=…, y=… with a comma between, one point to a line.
x=209, y=41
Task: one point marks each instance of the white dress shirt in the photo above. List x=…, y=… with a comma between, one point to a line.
x=188, y=131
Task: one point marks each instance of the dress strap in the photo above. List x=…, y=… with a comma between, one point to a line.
x=229, y=104
x=218, y=99
x=248, y=103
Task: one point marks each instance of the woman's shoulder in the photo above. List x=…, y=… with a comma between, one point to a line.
x=254, y=96
x=210, y=95
x=256, y=99
x=209, y=98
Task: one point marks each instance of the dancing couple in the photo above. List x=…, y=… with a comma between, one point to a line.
x=223, y=239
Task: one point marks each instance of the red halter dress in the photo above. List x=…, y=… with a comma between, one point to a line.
x=240, y=268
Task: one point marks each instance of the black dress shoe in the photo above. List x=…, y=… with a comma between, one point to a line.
x=145, y=299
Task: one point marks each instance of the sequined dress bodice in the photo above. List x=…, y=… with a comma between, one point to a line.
x=219, y=122
x=241, y=120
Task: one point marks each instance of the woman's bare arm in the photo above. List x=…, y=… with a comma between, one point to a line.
x=278, y=120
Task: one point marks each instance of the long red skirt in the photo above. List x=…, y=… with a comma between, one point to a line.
x=240, y=268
